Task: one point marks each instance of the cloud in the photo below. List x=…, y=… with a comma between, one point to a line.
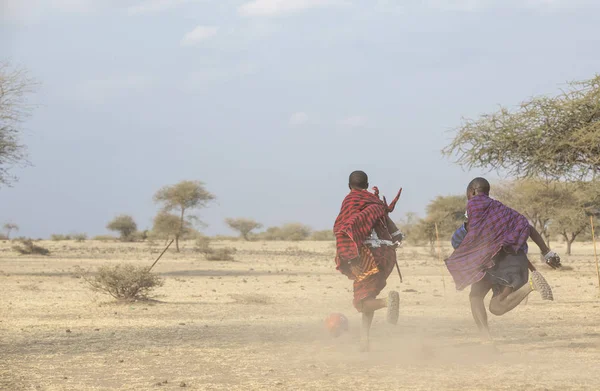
x=280, y=7
x=299, y=118
x=198, y=34
x=356, y=121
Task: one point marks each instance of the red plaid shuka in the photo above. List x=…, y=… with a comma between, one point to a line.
x=361, y=213
x=492, y=227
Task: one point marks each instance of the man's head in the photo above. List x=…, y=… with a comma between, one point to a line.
x=478, y=186
x=358, y=180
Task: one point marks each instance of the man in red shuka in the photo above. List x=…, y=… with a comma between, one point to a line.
x=366, y=240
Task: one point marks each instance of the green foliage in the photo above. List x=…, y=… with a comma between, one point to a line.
x=290, y=231
x=552, y=137
x=124, y=225
x=243, y=226
x=448, y=212
x=182, y=197
x=79, y=237
x=60, y=237
x=553, y=208
x=323, y=236
x=124, y=281
x=168, y=226
x=28, y=247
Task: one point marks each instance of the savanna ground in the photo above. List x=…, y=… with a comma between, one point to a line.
x=257, y=324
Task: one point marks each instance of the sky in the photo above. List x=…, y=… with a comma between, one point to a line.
x=270, y=103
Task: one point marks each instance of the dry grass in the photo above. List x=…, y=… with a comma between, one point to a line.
x=257, y=324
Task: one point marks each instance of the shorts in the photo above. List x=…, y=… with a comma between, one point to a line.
x=510, y=270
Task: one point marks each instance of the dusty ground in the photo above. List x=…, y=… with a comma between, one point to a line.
x=256, y=324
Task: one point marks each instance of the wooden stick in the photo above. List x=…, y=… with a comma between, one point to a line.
x=439, y=246
x=595, y=252
x=161, y=254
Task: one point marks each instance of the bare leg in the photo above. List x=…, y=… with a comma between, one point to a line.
x=478, y=292
x=509, y=299
x=368, y=308
x=367, y=319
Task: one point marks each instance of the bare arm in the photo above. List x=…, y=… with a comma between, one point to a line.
x=537, y=239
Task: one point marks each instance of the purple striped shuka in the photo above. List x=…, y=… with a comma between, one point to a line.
x=492, y=227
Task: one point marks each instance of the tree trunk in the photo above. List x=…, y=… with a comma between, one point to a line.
x=180, y=229
x=568, y=241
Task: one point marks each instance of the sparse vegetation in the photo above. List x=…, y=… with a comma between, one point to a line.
x=104, y=238
x=9, y=227
x=123, y=282
x=243, y=226
x=79, y=237
x=324, y=235
x=290, y=231
x=124, y=225
x=60, y=237
x=213, y=254
x=28, y=247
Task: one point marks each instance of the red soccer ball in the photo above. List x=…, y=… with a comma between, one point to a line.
x=336, y=324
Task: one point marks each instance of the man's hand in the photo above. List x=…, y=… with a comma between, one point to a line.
x=552, y=259
x=354, y=265
x=397, y=237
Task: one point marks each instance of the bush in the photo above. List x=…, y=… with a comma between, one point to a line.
x=219, y=254
x=124, y=225
x=82, y=237
x=212, y=254
x=291, y=231
x=104, y=238
x=123, y=282
x=3, y=237
x=325, y=235
x=27, y=247
x=59, y=237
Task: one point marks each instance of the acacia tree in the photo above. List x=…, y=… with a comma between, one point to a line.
x=571, y=218
x=183, y=197
x=243, y=226
x=9, y=227
x=536, y=199
x=15, y=86
x=125, y=225
x=550, y=137
x=167, y=226
x=448, y=212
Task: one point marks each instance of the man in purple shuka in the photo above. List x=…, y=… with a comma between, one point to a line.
x=491, y=254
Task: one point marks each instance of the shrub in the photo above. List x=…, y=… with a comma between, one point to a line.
x=213, y=254
x=325, y=235
x=124, y=225
x=59, y=237
x=219, y=254
x=123, y=282
x=81, y=237
x=243, y=226
x=3, y=237
x=27, y=247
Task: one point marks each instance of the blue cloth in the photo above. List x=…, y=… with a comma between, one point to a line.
x=458, y=236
